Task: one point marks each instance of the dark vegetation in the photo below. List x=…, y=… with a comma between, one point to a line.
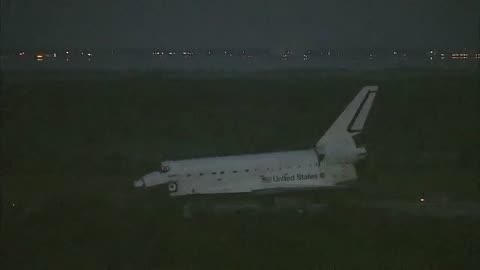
x=71, y=149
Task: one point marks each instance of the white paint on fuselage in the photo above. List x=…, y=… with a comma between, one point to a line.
x=244, y=173
x=247, y=173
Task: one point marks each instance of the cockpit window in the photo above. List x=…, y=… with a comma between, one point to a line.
x=164, y=169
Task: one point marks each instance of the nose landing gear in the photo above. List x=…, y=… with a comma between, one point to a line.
x=172, y=187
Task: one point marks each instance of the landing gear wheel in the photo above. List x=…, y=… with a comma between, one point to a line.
x=172, y=187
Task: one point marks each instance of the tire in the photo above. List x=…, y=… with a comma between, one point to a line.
x=172, y=187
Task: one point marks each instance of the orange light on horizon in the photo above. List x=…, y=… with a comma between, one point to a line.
x=39, y=57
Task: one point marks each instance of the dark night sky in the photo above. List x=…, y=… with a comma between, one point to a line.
x=245, y=23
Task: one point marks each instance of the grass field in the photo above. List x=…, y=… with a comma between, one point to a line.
x=71, y=148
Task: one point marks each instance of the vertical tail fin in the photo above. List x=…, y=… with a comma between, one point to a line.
x=351, y=121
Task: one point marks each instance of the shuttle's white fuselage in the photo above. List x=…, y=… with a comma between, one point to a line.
x=328, y=164
x=248, y=173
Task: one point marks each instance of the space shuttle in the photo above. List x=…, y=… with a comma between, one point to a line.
x=330, y=163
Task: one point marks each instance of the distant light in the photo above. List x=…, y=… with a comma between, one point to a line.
x=431, y=51
x=422, y=199
x=54, y=55
x=39, y=56
x=89, y=54
x=431, y=58
x=395, y=53
x=21, y=53
x=67, y=52
x=13, y=204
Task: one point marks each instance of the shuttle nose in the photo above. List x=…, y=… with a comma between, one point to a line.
x=151, y=179
x=139, y=183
